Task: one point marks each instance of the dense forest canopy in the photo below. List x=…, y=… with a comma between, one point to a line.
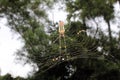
x=82, y=53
